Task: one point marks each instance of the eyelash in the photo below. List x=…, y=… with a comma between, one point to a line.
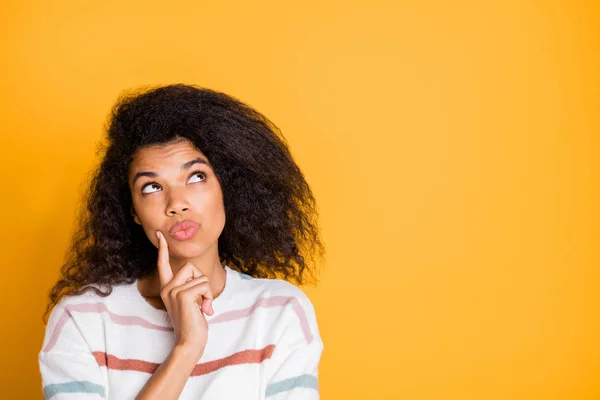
x=154, y=183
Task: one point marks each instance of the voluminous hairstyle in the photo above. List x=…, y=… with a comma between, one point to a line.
x=271, y=228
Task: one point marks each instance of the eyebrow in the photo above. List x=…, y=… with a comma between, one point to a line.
x=185, y=166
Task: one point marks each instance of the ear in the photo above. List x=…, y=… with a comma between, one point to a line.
x=135, y=217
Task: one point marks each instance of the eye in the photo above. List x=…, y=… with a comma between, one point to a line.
x=199, y=173
x=149, y=185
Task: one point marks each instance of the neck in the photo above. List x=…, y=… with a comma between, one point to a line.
x=208, y=264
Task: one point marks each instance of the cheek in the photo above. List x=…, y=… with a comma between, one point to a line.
x=216, y=211
x=147, y=214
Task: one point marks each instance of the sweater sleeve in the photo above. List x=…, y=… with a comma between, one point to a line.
x=67, y=365
x=293, y=368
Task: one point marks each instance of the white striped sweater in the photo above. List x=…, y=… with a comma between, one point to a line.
x=263, y=343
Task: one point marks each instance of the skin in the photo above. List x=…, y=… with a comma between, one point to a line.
x=172, y=196
x=189, y=273
x=180, y=292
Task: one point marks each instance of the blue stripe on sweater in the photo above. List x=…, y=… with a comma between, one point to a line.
x=73, y=387
x=303, y=381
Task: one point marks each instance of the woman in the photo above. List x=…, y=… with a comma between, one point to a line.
x=177, y=283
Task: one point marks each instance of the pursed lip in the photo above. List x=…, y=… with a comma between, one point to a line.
x=181, y=226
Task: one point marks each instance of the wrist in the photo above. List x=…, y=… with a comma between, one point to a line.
x=188, y=352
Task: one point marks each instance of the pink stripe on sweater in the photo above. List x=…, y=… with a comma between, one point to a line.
x=98, y=308
x=266, y=302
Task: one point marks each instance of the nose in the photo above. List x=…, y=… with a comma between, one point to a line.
x=177, y=202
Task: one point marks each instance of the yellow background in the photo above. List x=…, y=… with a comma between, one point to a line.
x=452, y=147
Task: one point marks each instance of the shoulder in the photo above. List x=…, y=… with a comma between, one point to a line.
x=73, y=321
x=288, y=305
x=92, y=294
x=86, y=307
x=74, y=300
x=279, y=290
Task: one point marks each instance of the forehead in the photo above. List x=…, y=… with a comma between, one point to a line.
x=172, y=153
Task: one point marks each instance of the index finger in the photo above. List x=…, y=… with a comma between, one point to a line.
x=165, y=273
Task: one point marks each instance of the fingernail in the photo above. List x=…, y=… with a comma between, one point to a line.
x=158, y=234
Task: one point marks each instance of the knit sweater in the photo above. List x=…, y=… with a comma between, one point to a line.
x=263, y=343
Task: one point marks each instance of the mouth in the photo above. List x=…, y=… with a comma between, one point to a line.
x=184, y=230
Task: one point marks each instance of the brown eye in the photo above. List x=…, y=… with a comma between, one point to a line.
x=149, y=185
x=199, y=173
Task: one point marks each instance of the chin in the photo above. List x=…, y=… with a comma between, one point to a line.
x=187, y=249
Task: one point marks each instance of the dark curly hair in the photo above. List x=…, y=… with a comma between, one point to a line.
x=271, y=226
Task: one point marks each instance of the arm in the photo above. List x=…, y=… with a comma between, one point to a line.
x=180, y=293
x=292, y=373
x=66, y=362
x=168, y=380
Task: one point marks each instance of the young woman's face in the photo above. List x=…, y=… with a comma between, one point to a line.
x=171, y=184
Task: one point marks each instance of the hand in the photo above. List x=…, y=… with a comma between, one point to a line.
x=186, y=296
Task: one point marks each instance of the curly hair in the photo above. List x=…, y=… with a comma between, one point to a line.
x=271, y=228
